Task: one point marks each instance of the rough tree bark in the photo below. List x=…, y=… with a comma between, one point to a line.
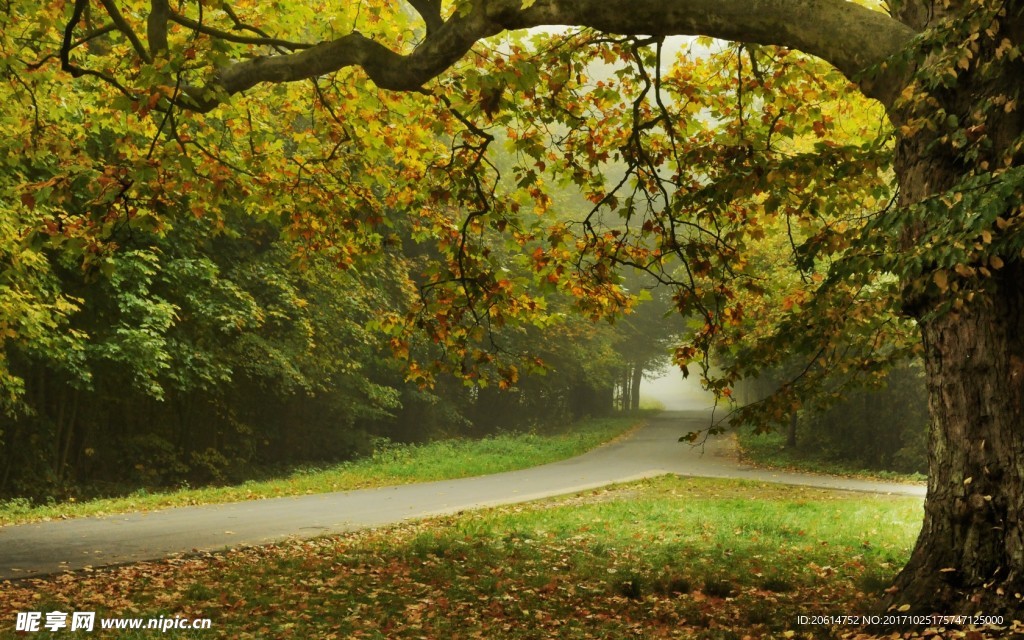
x=970, y=553
x=850, y=36
x=969, y=557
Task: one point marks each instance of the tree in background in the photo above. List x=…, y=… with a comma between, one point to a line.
x=644, y=339
x=883, y=426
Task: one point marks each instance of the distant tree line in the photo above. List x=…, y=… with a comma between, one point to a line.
x=205, y=354
x=881, y=426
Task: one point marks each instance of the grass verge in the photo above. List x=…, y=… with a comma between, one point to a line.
x=664, y=558
x=389, y=465
x=770, y=450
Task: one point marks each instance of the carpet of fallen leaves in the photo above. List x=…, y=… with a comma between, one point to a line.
x=463, y=577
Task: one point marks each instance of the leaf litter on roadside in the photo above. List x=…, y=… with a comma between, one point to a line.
x=656, y=559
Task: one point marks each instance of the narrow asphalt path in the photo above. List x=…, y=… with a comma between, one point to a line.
x=51, y=547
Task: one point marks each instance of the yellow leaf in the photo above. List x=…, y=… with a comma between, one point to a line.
x=996, y=262
x=941, y=280
x=964, y=270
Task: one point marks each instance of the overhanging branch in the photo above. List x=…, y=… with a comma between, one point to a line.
x=851, y=37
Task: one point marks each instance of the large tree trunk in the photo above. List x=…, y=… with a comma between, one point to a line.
x=970, y=554
x=969, y=557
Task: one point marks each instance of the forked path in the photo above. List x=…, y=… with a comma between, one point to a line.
x=50, y=547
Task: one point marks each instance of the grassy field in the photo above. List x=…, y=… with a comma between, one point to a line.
x=664, y=558
x=390, y=465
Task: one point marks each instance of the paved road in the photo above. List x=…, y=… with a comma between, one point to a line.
x=50, y=547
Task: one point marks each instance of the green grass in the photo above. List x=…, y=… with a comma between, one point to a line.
x=770, y=450
x=669, y=557
x=389, y=465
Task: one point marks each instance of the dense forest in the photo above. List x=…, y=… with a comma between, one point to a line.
x=208, y=353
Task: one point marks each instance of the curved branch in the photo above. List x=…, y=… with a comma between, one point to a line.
x=126, y=29
x=67, y=44
x=68, y=47
x=851, y=37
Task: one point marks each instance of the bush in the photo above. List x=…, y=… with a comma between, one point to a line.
x=150, y=460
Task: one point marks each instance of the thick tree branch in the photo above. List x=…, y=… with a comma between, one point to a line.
x=156, y=26
x=389, y=70
x=849, y=36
